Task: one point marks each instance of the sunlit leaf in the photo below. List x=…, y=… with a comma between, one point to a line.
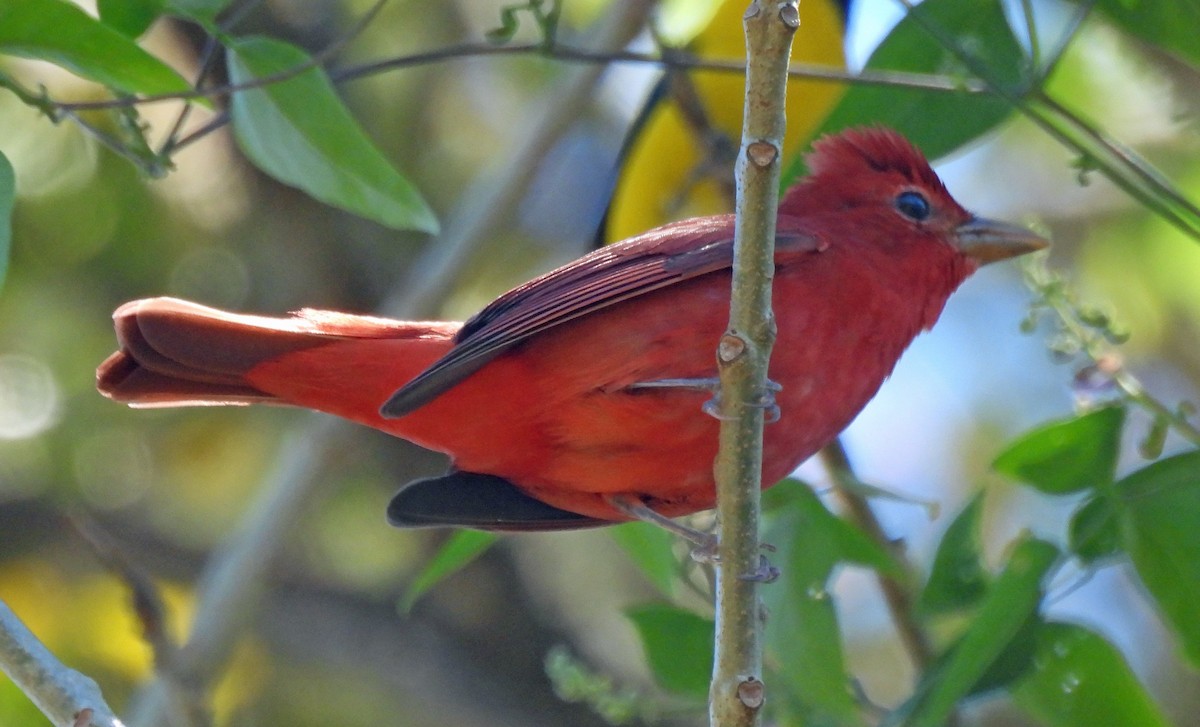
x=61, y=33
x=653, y=550
x=1067, y=456
x=8, y=195
x=957, y=579
x=1003, y=614
x=938, y=122
x=131, y=17
x=300, y=133
x=678, y=645
x=1159, y=508
x=460, y=549
x=1079, y=679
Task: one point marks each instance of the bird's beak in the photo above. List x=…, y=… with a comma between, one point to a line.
x=990, y=240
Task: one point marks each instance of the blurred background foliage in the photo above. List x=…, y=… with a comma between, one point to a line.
x=330, y=644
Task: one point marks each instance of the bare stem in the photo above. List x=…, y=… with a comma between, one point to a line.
x=737, y=692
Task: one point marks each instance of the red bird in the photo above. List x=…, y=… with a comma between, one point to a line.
x=579, y=392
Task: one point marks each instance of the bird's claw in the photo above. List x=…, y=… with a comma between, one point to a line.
x=765, y=573
x=765, y=401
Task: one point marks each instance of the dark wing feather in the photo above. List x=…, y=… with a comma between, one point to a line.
x=664, y=256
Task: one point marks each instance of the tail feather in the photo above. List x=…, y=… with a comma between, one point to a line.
x=176, y=353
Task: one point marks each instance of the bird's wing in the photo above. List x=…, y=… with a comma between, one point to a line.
x=661, y=257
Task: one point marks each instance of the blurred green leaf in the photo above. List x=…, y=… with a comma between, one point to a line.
x=8, y=195
x=202, y=11
x=460, y=549
x=1159, y=508
x=299, y=132
x=802, y=634
x=653, y=550
x=1003, y=615
x=1094, y=532
x=1079, y=679
x=130, y=17
x=678, y=645
x=1172, y=26
x=938, y=122
x=958, y=579
x=1067, y=456
x=63, y=34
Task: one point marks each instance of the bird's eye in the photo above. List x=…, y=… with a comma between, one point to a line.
x=913, y=205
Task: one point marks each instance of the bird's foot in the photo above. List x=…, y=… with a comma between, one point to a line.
x=712, y=407
x=704, y=544
x=634, y=508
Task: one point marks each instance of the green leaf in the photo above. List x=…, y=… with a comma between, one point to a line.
x=678, y=645
x=299, y=132
x=61, y=33
x=938, y=122
x=653, y=550
x=460, y=549
x=8, y=195
x=1003, y=615
x=1067, y=456
x=1172, y=26
x=802, y=635
x=958, y=579
x=1159, y=509
x=1094, y=532
x=1080, y=680
x=202, y=11
x=130, y=17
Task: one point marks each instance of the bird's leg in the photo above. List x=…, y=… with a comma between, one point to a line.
x=633, y=507
x=712, y=407
x=705, y=550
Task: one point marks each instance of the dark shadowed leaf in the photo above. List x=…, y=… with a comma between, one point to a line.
x=958, y=579
x=678, y=645
x=1159, y=509
x=63, y=34
x=459, y=550
x=1003, y=614
x=202, y=11
x=1174, y=27
x=938, y=122
x=1095, y=531
x=1079, y=679
x=802, y=635
x=300, y=133
x=1067, y=456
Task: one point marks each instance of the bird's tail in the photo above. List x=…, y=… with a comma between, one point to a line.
x=176, y=353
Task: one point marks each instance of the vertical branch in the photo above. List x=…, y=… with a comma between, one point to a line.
x=737, y=690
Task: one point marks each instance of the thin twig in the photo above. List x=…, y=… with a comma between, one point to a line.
x=896, y=594
x=64, y=695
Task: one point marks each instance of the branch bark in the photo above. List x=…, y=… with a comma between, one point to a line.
x=737, y=692
x=64, y=695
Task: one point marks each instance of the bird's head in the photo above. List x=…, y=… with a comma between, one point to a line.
x=879, y=175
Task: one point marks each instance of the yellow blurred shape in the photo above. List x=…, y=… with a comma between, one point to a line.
x=88, y=618
x=663, y=176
